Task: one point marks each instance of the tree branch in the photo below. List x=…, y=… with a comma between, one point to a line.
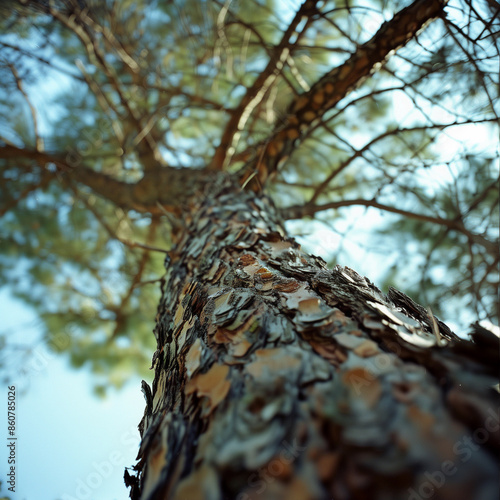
x=170, y=187
x=359, y=152
x=260, y=86
x=297, y=212
x=20, y=86
x=41, y=59
x=308, y=109
x=41, y=184
x=78, y=24
x=120, y=314
x=106, y=104
x=111, y=232
x=120, y=193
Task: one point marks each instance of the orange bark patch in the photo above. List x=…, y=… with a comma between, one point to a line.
x=309, y=306
x=329, y=88
x=309, y=116
x=279, y=468
x=366, y=349
x=299, y=295
x=247, y=259
x=193, y=357
x=298, y=490
x=264, y=273
x=328, y=350
x=363, y=384
x=238, y=344
x=326, y=465
x=203, y=483
x=216, y=271
x=182, y=333
x=222, y=299
x=213, y=385
x=156, y=459
x=241, y=348
x=160, y=390
x=318, y=97
x=286, y=286
x=423, y=420
x=252, y=268
x=179, y=314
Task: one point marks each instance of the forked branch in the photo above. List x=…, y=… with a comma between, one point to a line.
x=255, y=93
x=308, y=109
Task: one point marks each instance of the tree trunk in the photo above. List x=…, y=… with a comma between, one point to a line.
x=277, y=378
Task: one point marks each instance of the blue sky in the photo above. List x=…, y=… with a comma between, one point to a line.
x=71, y=444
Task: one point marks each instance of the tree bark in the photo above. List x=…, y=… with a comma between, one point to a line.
x=277, y=378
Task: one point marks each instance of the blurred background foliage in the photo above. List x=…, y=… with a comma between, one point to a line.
x=402, y=175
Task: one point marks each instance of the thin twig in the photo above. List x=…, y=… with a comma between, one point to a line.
x=109, y=230
x=20, y=86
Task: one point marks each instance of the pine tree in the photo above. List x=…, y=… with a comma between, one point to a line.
x=190, y=132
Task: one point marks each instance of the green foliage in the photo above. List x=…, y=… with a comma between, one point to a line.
x=179, y=69
x=453, y=272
